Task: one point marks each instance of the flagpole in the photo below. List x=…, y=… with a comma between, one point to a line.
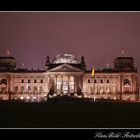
x=93, y=91
x=92, y=88
x=93, y=84
x=7, y=52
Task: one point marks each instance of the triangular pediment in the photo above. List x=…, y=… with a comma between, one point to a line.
x=65, y=68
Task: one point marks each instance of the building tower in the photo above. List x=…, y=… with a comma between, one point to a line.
x=47, y=63
x=83, y=62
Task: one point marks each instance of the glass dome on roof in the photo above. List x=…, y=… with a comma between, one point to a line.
x=65, y=58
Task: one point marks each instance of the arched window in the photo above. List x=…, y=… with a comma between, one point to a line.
x=4, y=81
x=59, y=78
x=65, y=78
x=101, y=81
x=41, y=81
x=95, y=81
x=71, y=84
x=89, y=81
x=35, y=81
x=71, y=78
x=108, y=81
x=29, y=81
x=59, y=83
x=126, y=81
x=22, y=80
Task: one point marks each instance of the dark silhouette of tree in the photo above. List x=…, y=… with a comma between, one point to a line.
x=79, y=92
x=51, y=91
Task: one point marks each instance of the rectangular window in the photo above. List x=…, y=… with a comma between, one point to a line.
x=41, y=81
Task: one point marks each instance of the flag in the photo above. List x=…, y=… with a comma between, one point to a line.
x=93, y=71
x=22, y=64
x=122, y=51
x=107, y=65
x=7, y=52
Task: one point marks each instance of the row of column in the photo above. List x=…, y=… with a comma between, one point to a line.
x=76, y=79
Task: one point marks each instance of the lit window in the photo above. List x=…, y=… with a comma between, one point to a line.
x=71, y=84
x=65, y=78
x=71, y=78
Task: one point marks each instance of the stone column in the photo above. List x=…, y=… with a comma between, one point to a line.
x=9, y=86
x=61, y=83
x=80, y=82
x=136, y=87
x=55, y=83
x=52, y=82
x=68, y=84
x=49, y=83
x=75, y=84
x=121, y=87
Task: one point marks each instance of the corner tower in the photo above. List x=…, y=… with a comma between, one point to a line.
x=124, y=64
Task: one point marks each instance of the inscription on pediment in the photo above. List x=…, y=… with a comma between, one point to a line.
x=65, y=68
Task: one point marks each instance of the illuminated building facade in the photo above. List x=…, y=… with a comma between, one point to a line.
x=66, y=76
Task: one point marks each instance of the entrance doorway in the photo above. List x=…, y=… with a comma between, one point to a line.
x=65, y=84
x=65, y=87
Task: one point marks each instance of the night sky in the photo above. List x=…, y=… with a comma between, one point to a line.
x=99, y=36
